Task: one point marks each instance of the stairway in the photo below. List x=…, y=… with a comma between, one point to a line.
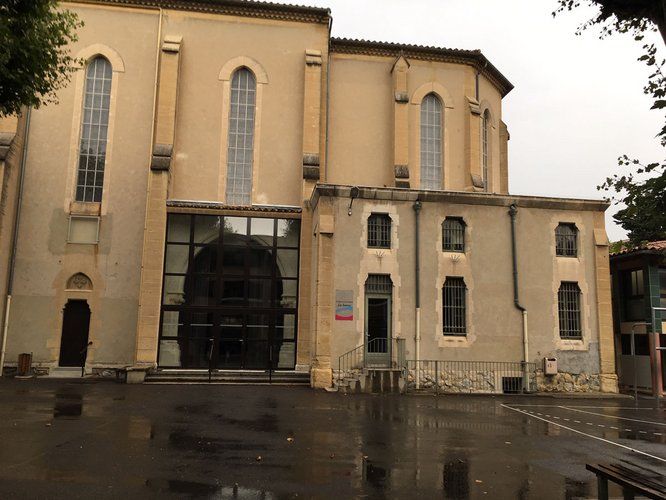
x=372, y=380
x=227, y=377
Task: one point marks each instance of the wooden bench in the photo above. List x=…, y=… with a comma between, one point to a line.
x=632, y=480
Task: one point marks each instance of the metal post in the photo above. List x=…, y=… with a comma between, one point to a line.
x=436, y=377
x=657, y=379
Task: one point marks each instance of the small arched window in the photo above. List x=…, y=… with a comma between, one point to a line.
x=94, y=131
x=431, y=142
x=485, y=122
x=453, y=234
x=240, y=149
x=566, y=240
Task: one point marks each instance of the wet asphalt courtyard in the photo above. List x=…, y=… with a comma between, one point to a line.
x=62, y=439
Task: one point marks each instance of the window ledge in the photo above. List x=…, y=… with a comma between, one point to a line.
x=572, y=345
x=454, y=341
x=84, y=208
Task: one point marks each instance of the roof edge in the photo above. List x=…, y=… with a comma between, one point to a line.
x=461, y=197
x=474, y=58
x=245, y=8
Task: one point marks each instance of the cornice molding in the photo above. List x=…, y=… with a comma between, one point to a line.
x=245, y=8
x=458, y=197
x=472, y=58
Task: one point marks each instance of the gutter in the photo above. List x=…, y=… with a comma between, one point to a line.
x=12, y=259
x=417, y=295
x=328, y=94
x=513, y=211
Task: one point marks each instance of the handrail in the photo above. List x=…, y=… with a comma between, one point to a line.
x=357, y=358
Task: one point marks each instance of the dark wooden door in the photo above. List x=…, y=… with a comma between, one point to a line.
x=75, y=325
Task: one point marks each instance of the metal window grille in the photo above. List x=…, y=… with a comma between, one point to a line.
x=240, y=148
x=566, y=244
x=379, y=231
x=378, y=283
x=94, y=127
x=568, y=302
x=453, y=235
x=454, y=292
x=485, y=118
x=431, y=142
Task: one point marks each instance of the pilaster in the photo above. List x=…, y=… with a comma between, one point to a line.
x=400, y=72
x=474, y=175
x=321, y=375
x=504, y=158
x=312, y=115
x=607, y=375
x=154, y=236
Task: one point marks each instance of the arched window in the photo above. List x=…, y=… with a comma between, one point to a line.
x=453, y=234
x=485, y=121
x=566, y=240
x=94, y=129
x=241, y=138
x=431, y=142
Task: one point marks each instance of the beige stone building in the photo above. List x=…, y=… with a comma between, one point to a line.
x=223, y=185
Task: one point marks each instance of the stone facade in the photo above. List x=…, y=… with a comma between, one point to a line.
x=337, y=128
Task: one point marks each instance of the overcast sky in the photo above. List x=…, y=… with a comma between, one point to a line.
x=578, y=101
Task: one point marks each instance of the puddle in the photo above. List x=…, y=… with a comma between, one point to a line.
x=193, y=489
x=456, y=479
x=67, y=405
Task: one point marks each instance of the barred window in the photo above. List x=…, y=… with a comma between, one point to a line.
x=453, y=235
x=240, y=148
x=379, y=231
x=485, y=119
x=378, y=283
x=454, y=292
x=94, y=128
x=568, y=303
x=431, y=142
x=566, y=236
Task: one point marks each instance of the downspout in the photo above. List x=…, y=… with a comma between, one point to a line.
x=417, y=293
x=328, y=93
x=12, y=258
x=513, y=210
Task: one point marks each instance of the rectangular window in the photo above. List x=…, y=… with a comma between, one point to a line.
x=633, y=300
x=379, y=231
x=453, y=235
x=230, y=292
x=568, y=302
x=662, y=290
x=454, y=304
x=83, y=230
x=566, y=244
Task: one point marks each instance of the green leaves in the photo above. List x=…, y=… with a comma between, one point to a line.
x=644, y=215
x=34, y=57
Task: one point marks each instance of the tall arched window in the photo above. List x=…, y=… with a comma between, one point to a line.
x=241, y=138
x=485, y=120
x=431, y=142
x=94, y=129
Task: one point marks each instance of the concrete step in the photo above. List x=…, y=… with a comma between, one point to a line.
x=227, y=377
x=64, y=372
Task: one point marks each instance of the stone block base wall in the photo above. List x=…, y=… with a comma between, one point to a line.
x=568, y=382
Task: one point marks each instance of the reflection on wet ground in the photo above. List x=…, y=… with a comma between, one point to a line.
x=72, y=440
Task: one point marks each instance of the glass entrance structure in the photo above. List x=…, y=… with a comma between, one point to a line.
x=230, y=292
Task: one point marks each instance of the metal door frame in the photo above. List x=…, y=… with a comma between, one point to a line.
x=374, y=358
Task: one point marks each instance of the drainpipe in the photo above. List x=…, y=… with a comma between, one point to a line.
x=12, y=259
x=328, y=94
x=513, y=210
x=417, y=295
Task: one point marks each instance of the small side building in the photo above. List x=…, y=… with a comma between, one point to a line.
x=639, y=306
